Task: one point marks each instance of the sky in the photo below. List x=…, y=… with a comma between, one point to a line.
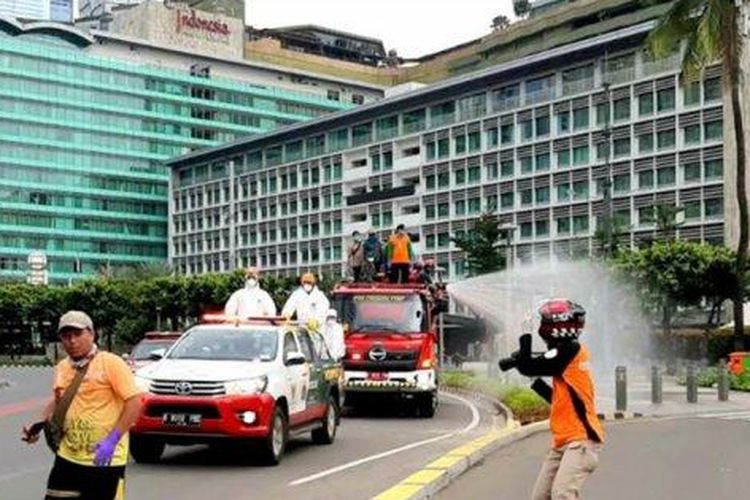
x=413, y=27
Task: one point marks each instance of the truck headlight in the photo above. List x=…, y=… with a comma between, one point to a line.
x=246, y=386
x=143, y=383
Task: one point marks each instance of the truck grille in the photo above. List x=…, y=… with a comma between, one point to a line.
x=394, y=361
x=187, y=388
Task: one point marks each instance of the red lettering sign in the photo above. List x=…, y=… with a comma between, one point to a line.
x=193, y=21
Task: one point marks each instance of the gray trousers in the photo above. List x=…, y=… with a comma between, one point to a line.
x=565, y=469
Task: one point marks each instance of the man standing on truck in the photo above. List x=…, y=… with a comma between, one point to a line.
x=373, y=254
x=308, y=303
x=356, y=256
x=251, y=301
x=400, y=255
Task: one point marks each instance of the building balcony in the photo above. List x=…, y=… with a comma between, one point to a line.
x=376, y=196
x=407, y=162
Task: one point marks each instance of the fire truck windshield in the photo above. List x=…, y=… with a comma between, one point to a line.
x=382, y=313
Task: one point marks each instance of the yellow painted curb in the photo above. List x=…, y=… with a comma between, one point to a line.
x=438, y=473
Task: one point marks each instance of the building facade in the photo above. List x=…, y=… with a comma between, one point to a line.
x=534, y=140
x=86, y=121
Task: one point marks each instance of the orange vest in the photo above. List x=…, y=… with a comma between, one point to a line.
x=400, y=249
x=565, y=423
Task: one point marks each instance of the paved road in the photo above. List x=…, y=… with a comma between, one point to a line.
x=694, y=458
x=351, y=468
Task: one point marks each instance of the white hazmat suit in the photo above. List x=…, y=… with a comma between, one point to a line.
x=307, y=305
x=333, y=334
x=250, y=302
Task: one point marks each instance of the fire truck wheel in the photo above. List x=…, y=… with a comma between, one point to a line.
x=427, y=405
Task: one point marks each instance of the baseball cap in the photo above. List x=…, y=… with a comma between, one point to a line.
x=75, y=319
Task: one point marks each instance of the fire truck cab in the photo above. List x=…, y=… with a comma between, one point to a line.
x=391, y=343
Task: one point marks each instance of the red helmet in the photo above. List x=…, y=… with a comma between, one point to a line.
x=561, y=318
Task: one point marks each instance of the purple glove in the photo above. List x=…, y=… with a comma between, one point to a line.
x=105, y=449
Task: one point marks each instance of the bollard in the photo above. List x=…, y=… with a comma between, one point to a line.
x=692, y=385
x=621, y=388
x=723, y=382
x=656, y=385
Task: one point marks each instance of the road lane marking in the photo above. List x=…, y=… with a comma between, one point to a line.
x=23, y=406
x=735, y=415
x=475, y=419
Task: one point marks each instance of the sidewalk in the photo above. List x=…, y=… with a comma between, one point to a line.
x=674, y=399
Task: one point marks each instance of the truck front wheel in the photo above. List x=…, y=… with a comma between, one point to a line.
x=427, y=404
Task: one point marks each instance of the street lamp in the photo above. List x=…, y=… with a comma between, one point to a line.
x=607, y=133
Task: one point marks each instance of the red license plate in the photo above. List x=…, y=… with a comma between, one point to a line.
x=377, y=376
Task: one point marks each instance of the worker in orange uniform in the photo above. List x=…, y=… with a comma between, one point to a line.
x=576, y=430
x=400, y=255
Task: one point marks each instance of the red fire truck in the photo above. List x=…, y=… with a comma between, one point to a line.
x=391, y=342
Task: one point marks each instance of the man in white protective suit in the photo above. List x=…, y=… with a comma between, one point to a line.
x=251, y=301
x=308, y=303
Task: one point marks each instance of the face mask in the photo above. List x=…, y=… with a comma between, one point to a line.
x=357, y=239
x=251, y=283
x=307, y=287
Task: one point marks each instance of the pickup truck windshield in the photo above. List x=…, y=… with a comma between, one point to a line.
x=382, y=313
x=227, y=344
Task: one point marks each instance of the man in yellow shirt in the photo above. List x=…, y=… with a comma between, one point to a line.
x=90, y=462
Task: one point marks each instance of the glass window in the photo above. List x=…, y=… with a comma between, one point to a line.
x=646, y=104
x=539, y=89
x=460, y=207
x=442, y=114
x=430, y=151
x=712, y=89
x=563, y=192
x=444, y=179
x=646, y=179
x=362, y=134
x=646, y=215
x=581, y=118
x=714, y=130
x=542, y=228
x=602, y=114
x=472, y=106
x=542, y=195
x=580, y=190
x=665, y=176
x=443, y=210
x=527, y=165
x=542, y=126
x=665, y=100
x=475, y=141
x=581, y=155
x=506, y=97
x=580, y=224
x=460, y=176
x=646, y=143
x=714, y=207
x=692, y=94
x=622, y=109
x=506, y=134
x=430, y=213
x=527, y=130
x=507, y=168
x=414, y=121
x=692, y=210
x=526, y=230
x=386, y=128
x=542, y=162
x=443, y=148
x=692, y=134
x=475, y=205
x=691, y=172
x=602, y=149
x=506, y=200
x=492, y=138
x=665, y=139
x=622, y=147
x=563, y=122
x=563, y=158
x=621, y=183
x=563, y=225
x=475, y=174
x=526, y=197
x=459, y=144
x=714, y=169
x=492, y=171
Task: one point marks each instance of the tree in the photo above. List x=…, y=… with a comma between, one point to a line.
x=500, y=23
x=601, y=235
x=712, y=32
x=677, y=273
x=521, y=8
x=666, y=218
x=484, y=254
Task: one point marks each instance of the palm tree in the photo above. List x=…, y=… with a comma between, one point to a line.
x=712, y=33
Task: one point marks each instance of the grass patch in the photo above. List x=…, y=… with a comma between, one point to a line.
x=526, y=405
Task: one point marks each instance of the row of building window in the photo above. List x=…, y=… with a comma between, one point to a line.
x=61, y=223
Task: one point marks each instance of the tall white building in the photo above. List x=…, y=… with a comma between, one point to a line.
x=26, y=9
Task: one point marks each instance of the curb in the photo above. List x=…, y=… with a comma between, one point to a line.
x=441, y=472
x=620, y=415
